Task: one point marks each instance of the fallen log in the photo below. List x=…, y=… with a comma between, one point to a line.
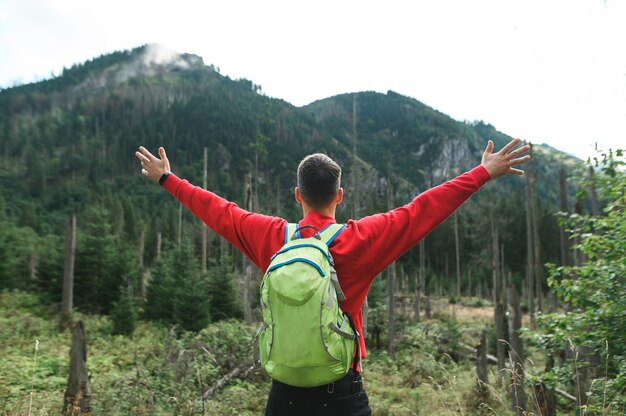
x=243, y=369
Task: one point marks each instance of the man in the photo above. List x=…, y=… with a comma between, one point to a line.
x=362, y=250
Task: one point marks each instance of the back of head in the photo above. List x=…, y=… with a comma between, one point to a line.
x=319, y=178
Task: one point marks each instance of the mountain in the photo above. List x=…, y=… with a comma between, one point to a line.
x=67, y=145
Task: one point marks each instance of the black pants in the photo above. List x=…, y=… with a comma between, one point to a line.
x=345, y=397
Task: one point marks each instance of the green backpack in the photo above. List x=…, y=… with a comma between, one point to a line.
x=305, y=340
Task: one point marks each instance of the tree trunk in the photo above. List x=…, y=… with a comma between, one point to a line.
x=204, y=226
x=516, y=354
x=498, y=307
x=142, y=269
x=391, y=310
x=242, y=370
x=356, y=196
x=158, y=245
x=391, y=292
x=538, y=267
x=530, y=280
x=457, y=253
x=247, y=266
x=545, y=398
x=565, y=243
x=423, y=285
x=423, y=288
x=32, y=267
x=482, y=372
x=365, y=312
x=78, y=392
x=180, y=224
x=68, y=270
x=593, y=194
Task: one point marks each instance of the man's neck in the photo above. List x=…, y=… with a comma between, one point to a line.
x=328, y=211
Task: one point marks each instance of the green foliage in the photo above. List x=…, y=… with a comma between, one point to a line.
x=18, y=249
x=123, y=314
x=103, y=263
x=222, y=290
x=191, y=294
x=594, y=326
x=159, y=300
x=178, y=293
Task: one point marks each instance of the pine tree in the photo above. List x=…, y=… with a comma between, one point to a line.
x=191, y=297
x=123, y=314
x=222, y=293
x=159, y=297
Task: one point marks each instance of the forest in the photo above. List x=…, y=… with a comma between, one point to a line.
x=114, y=299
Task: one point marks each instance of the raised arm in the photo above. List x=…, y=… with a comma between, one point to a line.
x=387, y=236
x=253, y=234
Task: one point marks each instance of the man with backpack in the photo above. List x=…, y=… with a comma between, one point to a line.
x=343, y=259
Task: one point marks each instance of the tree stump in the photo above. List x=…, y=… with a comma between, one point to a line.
x=78, y=393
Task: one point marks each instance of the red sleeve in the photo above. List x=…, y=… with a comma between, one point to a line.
x=387, y=236
x=255, y=235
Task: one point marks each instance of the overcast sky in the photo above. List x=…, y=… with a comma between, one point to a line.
x=549, y=71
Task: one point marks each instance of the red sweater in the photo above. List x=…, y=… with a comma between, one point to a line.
x=361, y=251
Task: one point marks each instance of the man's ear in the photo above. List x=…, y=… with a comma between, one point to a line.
x=297, y=195
x=339, y=196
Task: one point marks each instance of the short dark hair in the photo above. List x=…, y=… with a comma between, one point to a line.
x=319, y=178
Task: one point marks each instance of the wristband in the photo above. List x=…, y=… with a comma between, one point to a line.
x=164, y=177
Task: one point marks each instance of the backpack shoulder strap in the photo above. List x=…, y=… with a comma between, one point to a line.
x=331, y=232
x=290, y=229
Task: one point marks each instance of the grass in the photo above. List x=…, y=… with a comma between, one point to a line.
x=158, y=371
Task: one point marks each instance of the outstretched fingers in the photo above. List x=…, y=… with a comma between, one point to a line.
x=489, y=148
x=519, y=160
x=506, y=149
x=515, y=153
x=147, y=156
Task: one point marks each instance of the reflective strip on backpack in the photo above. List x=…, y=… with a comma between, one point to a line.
x=331, y=232
x=333, y=277
x=307, y=261
x=290, y=228
x=330, y=260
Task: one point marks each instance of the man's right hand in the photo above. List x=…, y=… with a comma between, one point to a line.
x=152, y=166
x=501, y=163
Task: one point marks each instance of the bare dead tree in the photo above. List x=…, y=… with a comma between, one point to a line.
x=516, y=354
x=356, y=212
x=158, y=245
x=391, y=292
x=68, y=270
x=530, y=262
x=204, y=226
x=247, y=266
x=142, y=269
x=77, y=401
x=498, y=314
x=424, y=284
x=593, y=193
x=416, y=302
x=180, y=224
x=538, y=267
x=457, y=253
x=565, y=243
x=482, y=373
x=545, y=397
